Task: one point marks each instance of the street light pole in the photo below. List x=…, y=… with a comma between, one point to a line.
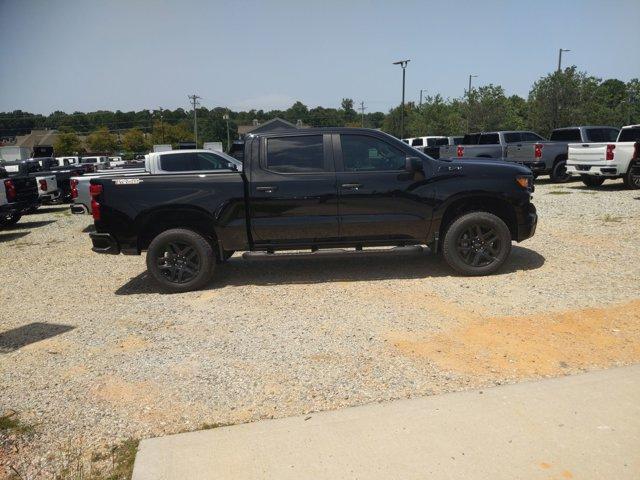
x=560, y=58
x=194, y=100
x=403, y=64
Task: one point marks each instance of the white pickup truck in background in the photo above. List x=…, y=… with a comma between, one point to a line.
x=595, y=162
x=156, y=163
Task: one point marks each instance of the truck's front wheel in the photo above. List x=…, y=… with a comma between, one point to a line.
x=180, y=260
x=477, y=243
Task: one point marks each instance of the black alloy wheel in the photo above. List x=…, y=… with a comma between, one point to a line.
x=179, y=262
x=479, y=245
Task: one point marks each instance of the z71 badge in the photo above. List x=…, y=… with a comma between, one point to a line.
x=127, y=181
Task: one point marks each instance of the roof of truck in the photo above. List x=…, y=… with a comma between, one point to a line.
x=586, y=126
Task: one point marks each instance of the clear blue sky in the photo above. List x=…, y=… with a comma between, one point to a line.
x=133, y=54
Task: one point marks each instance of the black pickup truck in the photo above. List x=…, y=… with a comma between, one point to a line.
x=313, y=189
x=18, y=194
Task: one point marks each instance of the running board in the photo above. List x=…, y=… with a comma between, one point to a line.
x=336, y=253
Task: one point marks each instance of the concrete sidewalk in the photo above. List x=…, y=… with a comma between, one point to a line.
x=581, y=427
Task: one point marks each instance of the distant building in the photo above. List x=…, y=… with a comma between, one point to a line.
x=273, y=125
x=37, y=138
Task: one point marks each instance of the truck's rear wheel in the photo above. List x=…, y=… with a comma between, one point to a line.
x=180, y=260
x=559, y=173
x=9, y=219
x=632, y=177
x=591, y=181
x=477, y=243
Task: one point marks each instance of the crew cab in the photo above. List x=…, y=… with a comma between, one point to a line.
x=18, y=195
x=488, y=144
x=315, y=189
x=550, y=158
x=156, y=163
x=431, y=144
x=596, y=162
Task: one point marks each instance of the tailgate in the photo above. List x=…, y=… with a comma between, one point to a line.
x=521, y=152
x=588, y=153
x=26, y=188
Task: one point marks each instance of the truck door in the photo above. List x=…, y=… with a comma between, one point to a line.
x=378, y=198
x=292, y=189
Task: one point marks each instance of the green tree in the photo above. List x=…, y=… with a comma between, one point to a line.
x=392, y=121
x=437, y=116
x=165, y=133
x=67, y=143
x=101, y=140
x=134, y=140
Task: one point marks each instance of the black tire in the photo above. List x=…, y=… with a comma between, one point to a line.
x=9, y=219
x=180, y=260
x=477, y=243
x=559, y=172
x=632, y=177
x=591, y=181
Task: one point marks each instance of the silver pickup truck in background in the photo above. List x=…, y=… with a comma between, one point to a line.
x=550, y=158
x=156, y=163
x=488, y=144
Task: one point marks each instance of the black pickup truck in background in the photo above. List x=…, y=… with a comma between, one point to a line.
x=18, y=194
x=314, y=189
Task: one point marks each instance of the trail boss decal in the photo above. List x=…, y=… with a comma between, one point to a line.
x=127, y=181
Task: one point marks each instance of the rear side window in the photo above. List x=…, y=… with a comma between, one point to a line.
x=512, y=137
x=189, y=162
x=436, y=142
x=417, y=142
x=471, y=139
x=301, y=154
x=629, y=135
x=567, y=135
x=602, y=134
x=457, y=140
x=489, y=139
x=361, y=153
x=530, y=137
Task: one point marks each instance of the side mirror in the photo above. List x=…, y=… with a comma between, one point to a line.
x=233, y=166
x=413, y=164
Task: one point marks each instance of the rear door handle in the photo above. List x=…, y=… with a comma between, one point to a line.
x=267, y=189
x=351, y=186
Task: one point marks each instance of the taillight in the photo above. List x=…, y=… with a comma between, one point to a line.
x=610, y=149
x=94, y=191
x=11, y=190
x=460, y=151
x=537, y=150
x=43, y=184
x=74, y=188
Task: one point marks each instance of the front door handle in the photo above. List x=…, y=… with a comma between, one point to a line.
x=351, y=186
x=267, y=189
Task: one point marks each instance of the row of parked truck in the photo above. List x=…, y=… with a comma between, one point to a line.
x=593, y=153
x=31, y=182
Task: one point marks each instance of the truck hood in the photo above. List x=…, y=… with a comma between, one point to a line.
x=483, y=166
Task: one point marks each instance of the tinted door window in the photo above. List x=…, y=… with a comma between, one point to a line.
x=187, y=162
x=629, y=135
x=489, y=139
x=512, y=137
x=457, y=140
x=416, y=142
x=569, y=135
x=471, y=139
x=361, y=153
x=295, y=154
x=602, y=134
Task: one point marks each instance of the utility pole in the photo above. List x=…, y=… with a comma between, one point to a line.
x=194, y=100
x=560, y=58
x=422, y=90
x=161, y=123
x=403, y=64
x=469, y=100
x=362, y=109
x=226, y=118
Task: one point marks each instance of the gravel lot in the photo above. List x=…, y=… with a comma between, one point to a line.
x=91, y=353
